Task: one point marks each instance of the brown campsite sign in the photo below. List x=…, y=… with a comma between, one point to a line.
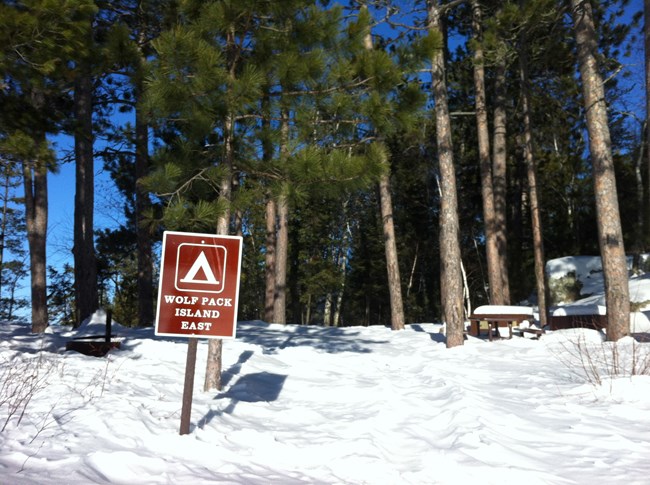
x=199, y=285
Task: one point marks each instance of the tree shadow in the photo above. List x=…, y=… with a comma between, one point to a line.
x=328, y=339
x=435, y=336
x=235, y=368
x=252, y=388
x=21, y=339
x=272, y=338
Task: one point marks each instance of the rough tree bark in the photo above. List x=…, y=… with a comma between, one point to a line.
x=641, y=216
x=270, y=219
x=215, y=346
x=491, y=247
x=269, y=259
x=451, y=283
x=282, y=241
x=281, y=259
x=6, y=178
x=142, y=205
x=85, y=264
x=646, y=38
x=390, y=246
x=531, y=170
x=610, y=235
x=390, y=243
x=499, y=179
x=35, y=184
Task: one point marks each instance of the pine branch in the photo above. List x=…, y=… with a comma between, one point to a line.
x=334, y=89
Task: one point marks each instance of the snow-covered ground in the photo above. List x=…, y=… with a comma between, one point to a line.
x=304, y=404
x=314, y=405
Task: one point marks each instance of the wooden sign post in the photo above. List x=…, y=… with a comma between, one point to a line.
x=198, y=295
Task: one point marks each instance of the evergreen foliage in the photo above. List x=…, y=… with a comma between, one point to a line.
x=285, y=99
x=13, y=255
x=60, y=296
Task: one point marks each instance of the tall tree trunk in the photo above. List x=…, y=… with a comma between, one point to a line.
x=282, y=241
x=281, y=252
x=6, y=178
x=451, y=283
x=269, y=259
x=142, y=205
x=85, y=265
x=390, y=243
x=531, y=169
x=142, y=200
x=390, y=246
x=642, y=209
x=491, y=247
x=610, y=234
x=342, y=263
x=499, y=169
x=646, y=37
x=327, y=311
x=215, y=346
x=270, y=217
x=35, y=184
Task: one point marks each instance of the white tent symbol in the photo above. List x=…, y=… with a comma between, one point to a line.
x=201, y=264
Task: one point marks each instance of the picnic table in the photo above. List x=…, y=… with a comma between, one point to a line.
x=96, y=345
x=496, y=316
x=579, y=316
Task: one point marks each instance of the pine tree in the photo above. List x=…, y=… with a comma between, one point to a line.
x=386, y=208
x=12, y=223
x=610, y=235
x=39, y=40
x=494, y=268
x=202, y=84
x=85, y=264
x=61, y=295
x=450, y=257
x=128, y=31
x=531, y=170
x=12, y=235
x=312, y=88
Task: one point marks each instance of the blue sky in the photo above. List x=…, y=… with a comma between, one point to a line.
x=108, y=205
x=61, y=187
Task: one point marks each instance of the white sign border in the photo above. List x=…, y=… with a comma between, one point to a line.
x=160, y=279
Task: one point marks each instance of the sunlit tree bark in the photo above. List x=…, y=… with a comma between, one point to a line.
x=390, y=243
x=451, y=282
x=499, y=176
x=35, y=184
x=491, y=247
x=610, y=234
x=531, y=170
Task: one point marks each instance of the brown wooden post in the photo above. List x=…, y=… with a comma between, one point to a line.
x=109, y=323
x=188, y=387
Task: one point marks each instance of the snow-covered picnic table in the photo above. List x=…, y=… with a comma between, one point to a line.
x=496, y=316
x=572, y=316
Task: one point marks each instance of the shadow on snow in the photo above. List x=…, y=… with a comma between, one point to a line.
x=273, y=338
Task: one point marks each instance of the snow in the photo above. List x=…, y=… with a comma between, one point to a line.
x=580, y=309
x=588, y=270
x=307, y=404
x=316, y=405
x=503, y=310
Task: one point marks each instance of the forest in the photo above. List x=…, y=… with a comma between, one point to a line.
x=386, y=162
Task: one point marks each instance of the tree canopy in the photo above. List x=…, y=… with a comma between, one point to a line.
x=278, y=120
